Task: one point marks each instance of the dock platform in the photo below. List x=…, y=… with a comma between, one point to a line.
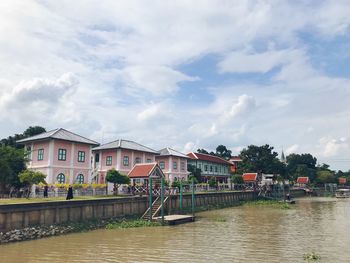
x=176, y=219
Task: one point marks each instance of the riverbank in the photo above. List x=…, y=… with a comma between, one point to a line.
x=38, y=232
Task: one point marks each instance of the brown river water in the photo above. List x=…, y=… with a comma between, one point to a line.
x=237, y=234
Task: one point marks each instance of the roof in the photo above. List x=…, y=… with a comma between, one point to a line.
x=171, y=152
x=249, y=177
x=342, y=180
x=125, y=144
x=208, y=158
x=235, y=159
x=303, y=180
x=143, y=170
x=60, y=134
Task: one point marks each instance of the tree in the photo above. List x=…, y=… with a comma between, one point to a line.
x=12, y=162
x=223, y=152
x=30, y=131
x=212, y=182
x=325, y=177
x=202, y=151
x=30, y=177
x=194, y=171
x=260, y=159
x=116, y=178
x=301, y=165
x=237, y=179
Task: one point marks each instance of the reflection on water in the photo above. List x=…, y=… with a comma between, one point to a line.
x=249, y=234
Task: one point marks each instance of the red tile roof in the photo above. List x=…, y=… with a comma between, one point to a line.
x=142, y=170
x=208, y=158
x=250, y=177
x=303, y=180
x=342, y=180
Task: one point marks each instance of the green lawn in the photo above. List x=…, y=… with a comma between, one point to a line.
x=52, y=199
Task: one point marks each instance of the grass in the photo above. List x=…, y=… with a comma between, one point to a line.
x=267, y=203
x=131, y=224
x=219, y=219
x=10, y=201
x=312, y=257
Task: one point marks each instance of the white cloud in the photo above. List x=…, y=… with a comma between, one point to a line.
x=244, y=105
x=292, y=149
x=332, y=147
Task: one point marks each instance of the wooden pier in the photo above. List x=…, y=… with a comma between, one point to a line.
x=176, y=219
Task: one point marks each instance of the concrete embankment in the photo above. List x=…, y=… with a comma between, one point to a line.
x=35, y=220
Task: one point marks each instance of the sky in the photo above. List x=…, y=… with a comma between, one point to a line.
x=181, y=74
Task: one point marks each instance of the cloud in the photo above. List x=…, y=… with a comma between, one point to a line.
x=292, y=149
x=38, y=96
x=332, y=146
x=158, y=80
x=244, y=105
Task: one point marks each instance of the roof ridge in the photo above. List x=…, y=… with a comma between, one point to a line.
x=75, y=134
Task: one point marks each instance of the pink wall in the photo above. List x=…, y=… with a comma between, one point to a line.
x=36, y=147
x=103, y=159
x=128, y=153
x=150, y=156
x=84, y=148
x=166, y=161
x=62, y=145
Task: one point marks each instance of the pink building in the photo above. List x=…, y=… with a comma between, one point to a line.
x=173, y=164
x=64, y=157
x=121, y=155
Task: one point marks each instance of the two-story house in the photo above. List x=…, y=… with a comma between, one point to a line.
x=64, y=157
x=211, y=166
x=173, y=164
x=121, y=155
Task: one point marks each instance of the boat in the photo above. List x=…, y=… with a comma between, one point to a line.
x=342, y=193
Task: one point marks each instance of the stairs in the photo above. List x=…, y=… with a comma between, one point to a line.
x=156, y=206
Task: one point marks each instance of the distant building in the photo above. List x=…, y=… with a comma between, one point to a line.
x=250, y=178
x=342, y=180
x=303, y=181
x=235, y=160
x=173, y=164
x=121, y=155
x=141, y=173
x=211, y=166
x=64, y=157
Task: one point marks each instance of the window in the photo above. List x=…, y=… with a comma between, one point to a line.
x=137, y=160
x=80, y=179
x=162, y=165
x=205, y=167
x=62, y=153
x=182, y=166
x=61, y=178
x=211, y=168
x=81, y=156
x=40, y=154
x=126, y=161
x=216, y=169
x=175, y=165
x=109, y=160
x=148, y=160
x=200, y=166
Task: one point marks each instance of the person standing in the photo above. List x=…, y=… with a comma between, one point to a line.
x=46, y=189
x=70, y=193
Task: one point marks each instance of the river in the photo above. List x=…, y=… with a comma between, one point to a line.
x=237, y=234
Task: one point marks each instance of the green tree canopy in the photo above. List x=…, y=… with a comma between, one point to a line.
x=30, y=177
x=237, y=179
x=12, y=162
x=260, y=159
x=116, y=178
x=194, y=171
x=301, y=165
x=223, y=152
x=30, y=131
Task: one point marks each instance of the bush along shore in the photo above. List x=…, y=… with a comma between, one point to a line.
x=30, y=233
